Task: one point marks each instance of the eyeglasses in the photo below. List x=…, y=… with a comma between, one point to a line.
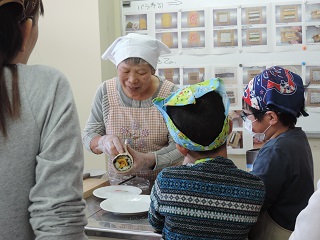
x=245, y=115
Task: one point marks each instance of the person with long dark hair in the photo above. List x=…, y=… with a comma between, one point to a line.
x=41, y=156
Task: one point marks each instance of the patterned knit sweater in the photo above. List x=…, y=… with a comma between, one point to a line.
x=209, y=200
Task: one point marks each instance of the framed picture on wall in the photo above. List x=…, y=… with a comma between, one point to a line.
x=225, y=17
x=232, y=95
x=313, y=34
x=288, y=13
x=315, y=14
x=193, y=39
x=192, y=19
x=315, y=75
x=171, y=74
x=226, y=38
x=193, y=75
x=255, y=15
x=227, y=74
x=254, y=36
x=313, y=97
x=312, y=12
x=136, y=22
x=168, y=38
x=166, y=20
x=290, y=35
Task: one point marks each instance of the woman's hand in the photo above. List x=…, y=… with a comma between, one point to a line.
x=110, y=145
x=141, y=161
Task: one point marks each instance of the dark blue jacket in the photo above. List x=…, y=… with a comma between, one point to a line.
x=285, y=165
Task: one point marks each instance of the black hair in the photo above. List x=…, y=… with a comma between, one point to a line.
x=287, y=119
x=11, y=16
x=138, y=61
x=201, y=122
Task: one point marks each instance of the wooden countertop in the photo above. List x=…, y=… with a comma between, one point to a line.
x=90, y=184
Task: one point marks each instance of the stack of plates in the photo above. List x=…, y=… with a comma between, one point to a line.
x=123, y=199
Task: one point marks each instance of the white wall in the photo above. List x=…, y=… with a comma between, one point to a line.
x=69, y=40
x=73, y=34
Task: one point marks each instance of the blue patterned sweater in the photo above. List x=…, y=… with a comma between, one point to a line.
x=209, y=200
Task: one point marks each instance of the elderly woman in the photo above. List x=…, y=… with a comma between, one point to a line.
x=123, y=109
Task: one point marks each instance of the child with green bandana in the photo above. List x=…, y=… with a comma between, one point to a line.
x=208, y=197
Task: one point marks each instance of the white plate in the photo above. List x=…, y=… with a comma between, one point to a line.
x=127, y=204
x=112, y=191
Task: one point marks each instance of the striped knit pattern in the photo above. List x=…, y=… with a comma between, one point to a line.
x=209, y=200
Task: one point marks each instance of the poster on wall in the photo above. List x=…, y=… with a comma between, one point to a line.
x=235, y=43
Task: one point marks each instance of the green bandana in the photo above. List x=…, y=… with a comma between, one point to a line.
x=188, y=95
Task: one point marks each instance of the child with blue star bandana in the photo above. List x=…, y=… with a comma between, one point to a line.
x=208, y=197
x=272, y=102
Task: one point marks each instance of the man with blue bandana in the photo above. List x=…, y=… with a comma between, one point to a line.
x=208, y=197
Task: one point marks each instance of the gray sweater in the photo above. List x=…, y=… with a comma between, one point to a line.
x=41, y=161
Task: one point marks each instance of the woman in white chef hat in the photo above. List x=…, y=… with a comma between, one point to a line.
x=123, y=110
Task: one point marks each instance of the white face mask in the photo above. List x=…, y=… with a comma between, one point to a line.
x=260, y=137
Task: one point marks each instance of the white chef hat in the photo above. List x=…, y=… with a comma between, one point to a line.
x=136, y=45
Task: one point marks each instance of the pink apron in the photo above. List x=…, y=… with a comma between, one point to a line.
x=144, y=127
